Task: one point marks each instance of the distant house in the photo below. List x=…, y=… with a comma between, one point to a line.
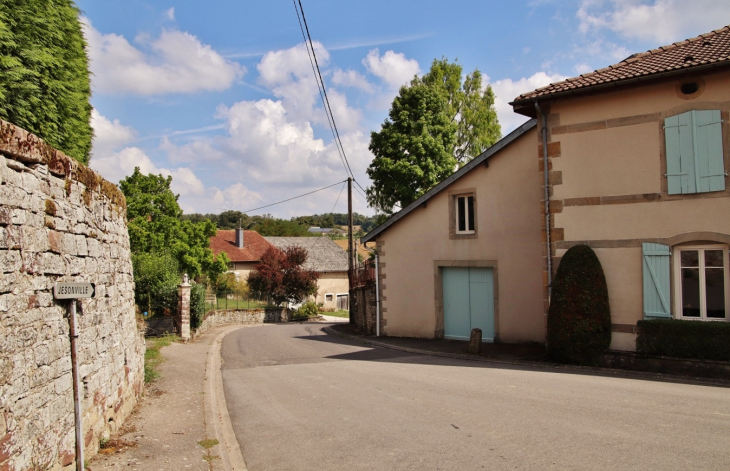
x=244, y=251
x=326, y=257
x=324, y=230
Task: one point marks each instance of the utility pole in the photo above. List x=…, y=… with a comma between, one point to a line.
x=350, y=246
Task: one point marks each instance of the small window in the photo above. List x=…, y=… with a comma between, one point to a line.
x=465, y=214
x=702, y=282
x=689, y=88
x=328, y=298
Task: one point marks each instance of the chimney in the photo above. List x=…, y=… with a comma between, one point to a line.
x=239, y=238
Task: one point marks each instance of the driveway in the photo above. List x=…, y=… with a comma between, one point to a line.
x=302, y=400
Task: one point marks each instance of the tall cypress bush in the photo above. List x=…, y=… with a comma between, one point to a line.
x=579, y=318
x=44, y=73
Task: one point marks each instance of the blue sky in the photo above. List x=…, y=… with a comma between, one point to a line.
x=221, y=95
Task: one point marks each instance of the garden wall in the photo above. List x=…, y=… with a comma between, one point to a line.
x=60, y=221
x=241, y=316
x=363, y=308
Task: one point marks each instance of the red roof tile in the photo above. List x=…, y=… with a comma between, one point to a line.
x=254, y=245
x=708, y=49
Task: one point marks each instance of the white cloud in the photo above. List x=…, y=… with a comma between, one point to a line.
x=170, y=14
x=393, y=68
x=109, y=135
x=177, y=63
x=662, y=21
x=582, y=69
x=351, y=78
x=506, y=90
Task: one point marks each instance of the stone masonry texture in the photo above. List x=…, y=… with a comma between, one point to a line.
x=60, y=221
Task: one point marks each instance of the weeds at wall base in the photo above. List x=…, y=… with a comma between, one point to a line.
x=152, y=356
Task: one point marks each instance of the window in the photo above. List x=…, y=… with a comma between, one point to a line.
x=328, y=298
x=694, y=152
x=701, y=282
x=465, y=214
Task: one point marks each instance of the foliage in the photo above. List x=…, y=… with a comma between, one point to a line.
x=44, y=73
x=156, y=278
x=270, y=226
x=414, y=150
x=197, y=305
x=217, y=272
x=579, y=318
x=310, y=308
x=470, y=107
x=280, y=276
x=684, y=339
x=155, y=225
x=153, y=357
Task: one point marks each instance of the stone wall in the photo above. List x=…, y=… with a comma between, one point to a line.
x=60, y=221
x=241, y=316
x=363, y=309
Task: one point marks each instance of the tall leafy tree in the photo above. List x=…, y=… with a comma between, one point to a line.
x=44, y=73
x=468, y=104
x=155, y=225
x=414, y=149
x=280, y=276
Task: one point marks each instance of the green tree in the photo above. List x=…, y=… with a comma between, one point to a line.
x=156, y=277
x=468, y=105
x=155, y=225
x=44, y=73
x=414, y=150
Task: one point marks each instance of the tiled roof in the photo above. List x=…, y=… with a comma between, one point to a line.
x=254, y=245
x=324, y=254
x=705, y=50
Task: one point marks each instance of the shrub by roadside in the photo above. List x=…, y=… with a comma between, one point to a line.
x=153, y=357
x=684, y=339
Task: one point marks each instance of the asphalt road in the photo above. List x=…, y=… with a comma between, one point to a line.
x=302, y=400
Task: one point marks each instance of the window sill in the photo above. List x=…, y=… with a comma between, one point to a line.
x=463, y=235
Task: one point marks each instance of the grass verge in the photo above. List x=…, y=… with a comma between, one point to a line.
x=152, y=356
x=337, y=313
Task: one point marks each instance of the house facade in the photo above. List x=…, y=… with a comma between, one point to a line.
x=330, y=260
x=633, y=160
x=243, y=248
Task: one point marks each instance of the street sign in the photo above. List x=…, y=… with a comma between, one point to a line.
x=73, y=290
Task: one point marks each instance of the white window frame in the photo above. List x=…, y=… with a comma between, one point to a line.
x=331, y=300
x=466, y=213
x=677, y=271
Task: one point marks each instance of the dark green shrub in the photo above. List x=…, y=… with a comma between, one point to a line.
x=44, y=73
x=684, y=339
x=579, y=318
x=197, y=305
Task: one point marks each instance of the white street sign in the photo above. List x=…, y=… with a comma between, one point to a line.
x=73, y=290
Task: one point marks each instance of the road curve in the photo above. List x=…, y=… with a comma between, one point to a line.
x=302, y=400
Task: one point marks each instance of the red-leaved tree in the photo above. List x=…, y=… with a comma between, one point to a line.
x=280, y=276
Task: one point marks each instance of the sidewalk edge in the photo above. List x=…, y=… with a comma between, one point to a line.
x=217, y=421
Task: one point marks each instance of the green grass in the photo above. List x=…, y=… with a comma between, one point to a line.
x=337, y=313
x=153, y=358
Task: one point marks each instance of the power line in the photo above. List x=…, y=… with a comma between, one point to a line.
x=295, y=197
x=321, y=87
x=338, y=198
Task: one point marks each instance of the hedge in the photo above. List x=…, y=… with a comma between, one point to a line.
x=579, y=317
x=44, y=73
x=684, y=339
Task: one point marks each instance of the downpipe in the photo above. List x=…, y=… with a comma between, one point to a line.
x=546, y=182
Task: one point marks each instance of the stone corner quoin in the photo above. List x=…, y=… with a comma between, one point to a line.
x=60, y=221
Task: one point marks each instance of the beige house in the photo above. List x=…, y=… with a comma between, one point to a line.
x=327, y=258
x=635, y=159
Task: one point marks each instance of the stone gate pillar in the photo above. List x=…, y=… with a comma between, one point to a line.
x=183, y=311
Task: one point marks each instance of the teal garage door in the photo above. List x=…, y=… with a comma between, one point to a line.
x=468, y=302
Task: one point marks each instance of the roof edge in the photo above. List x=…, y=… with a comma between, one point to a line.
x=499, y=145
x=527, y=103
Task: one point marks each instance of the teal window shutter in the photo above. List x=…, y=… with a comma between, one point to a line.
x=678, y=132
x=709, y=163
x=656, y=281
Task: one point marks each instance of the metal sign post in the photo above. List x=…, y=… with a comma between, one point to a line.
x=73, y=291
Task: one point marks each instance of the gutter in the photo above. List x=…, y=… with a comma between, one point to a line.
x=546, y=182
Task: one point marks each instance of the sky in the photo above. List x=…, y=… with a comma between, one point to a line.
x=221, y=94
